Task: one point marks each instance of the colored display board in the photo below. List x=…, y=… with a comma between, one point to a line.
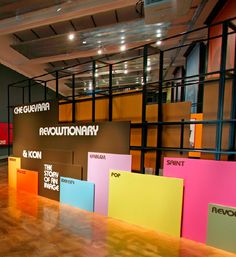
x=99, y=165
x=27, y=180
x=14, y=163
x=77, y=193
x=4, y=133
x=150, y=201
x=221, y=228
x=57, y=149
x=50, y=174
x=205, y=182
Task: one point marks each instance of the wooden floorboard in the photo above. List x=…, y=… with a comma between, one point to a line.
x=36, y=226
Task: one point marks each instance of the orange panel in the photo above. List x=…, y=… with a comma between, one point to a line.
x=84, y=111
x=136, y=157
x=135, y=136
x=197, y=134
x=27, y=180
x=65, y=112
x=102, y=109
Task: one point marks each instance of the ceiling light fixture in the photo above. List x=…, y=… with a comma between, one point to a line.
x=59, y=9
x=99, y=42
x=126, y=71
x=158, y=35
x=122, y=42
x=123, y=37
x=159, y=42
x=100, y=51
x=158, y=31
x=123, y=48
x=84, y=42
x=71, y=36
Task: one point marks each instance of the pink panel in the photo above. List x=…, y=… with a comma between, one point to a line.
x=204, y=182
x=99, y=165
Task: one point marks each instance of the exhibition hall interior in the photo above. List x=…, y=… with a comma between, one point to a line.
x=118, y=128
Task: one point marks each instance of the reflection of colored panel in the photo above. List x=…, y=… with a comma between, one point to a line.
x=221, y=230
x=204, y=182
x=197, y=134
x=99, y=165
x=146, y=200
x=27, y=181
x=14, y=163
x=77, y=193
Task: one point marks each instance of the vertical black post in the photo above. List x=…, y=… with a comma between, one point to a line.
x=8, y=120
x=144, y=102
x=159, y=127
x=182, y=96
x=220, y=113
x=172, y=92
x=177, y=92
x=181, y=136
x=93, y=91
x=73, y=98
x=110, y=92
x=29, y=86
x=232, y=131
x=57, y=85
x=45, y=91
x=23, y=95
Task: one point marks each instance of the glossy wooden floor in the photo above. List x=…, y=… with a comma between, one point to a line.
x=36, y=226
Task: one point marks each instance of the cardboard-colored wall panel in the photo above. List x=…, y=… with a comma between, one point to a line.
x=77, y=193
x=204, y=182
x=135, y=136
x=197, y=134
x=27, y=180
x=14, y=163
x=65, y=112
x=102, y=109
x=84, y=111
x=210, y=109
x=136, y=157
x=133, y=198
x=99, y=165
x=127, y=108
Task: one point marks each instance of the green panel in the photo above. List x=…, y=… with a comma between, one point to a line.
x=221, y=229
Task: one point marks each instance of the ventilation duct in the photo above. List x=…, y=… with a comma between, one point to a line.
x=165, y=10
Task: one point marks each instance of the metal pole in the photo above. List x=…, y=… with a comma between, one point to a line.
x=110, y=92
x=144, y=102
x=73, y=98
x=23, y=95
x=29, y=85
x=45, y=90
x=8, y=120
x=233, y=112
x=57, y=85
x=220, y=114
x=159, y=127
x=181, y=136
x=93, y=91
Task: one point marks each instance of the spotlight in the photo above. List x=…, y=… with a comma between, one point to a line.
x=71, y=36
x=84, y=42
x=158, y=43
x=123, y=48
x=100, y=51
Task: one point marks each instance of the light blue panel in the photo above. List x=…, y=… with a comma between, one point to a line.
x=77, y=193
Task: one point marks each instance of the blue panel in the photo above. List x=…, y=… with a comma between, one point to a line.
x=77, y=193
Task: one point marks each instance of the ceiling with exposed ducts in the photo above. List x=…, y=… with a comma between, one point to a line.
x=45, y=36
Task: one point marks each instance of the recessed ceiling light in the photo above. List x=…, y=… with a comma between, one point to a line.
x=99, y=42
x=123, y=37
x=84, y=42
x=158, y=31
x=158, y=35
x=90, y=85
x=122, y=31
x=126, y=65
x=122, y=41
x=149, y=68
x=159, y=24
x=96, y=75
x=100, y=51
x=59, y=9
x=158, y=43
x=126, y=71
x=71, y=36
x=123, y=48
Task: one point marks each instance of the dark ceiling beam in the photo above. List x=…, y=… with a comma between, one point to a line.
x=117, y=18
x=34, y=32
x=54, y=31
x=94, y=23
x=18, y=37
x=72, y=25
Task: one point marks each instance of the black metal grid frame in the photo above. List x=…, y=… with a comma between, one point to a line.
x=157, y=86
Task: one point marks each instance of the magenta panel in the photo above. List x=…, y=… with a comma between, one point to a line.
x=204, y=182
x=99, y=165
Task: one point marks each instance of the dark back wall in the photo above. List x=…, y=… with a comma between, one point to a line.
x=8, y=76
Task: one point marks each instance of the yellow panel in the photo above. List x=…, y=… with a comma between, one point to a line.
x=127, y=107
x=198, y=134
x=102, y=110
x=84, y=111
x=65, y=112
x=150, y=201
x=14, y=163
